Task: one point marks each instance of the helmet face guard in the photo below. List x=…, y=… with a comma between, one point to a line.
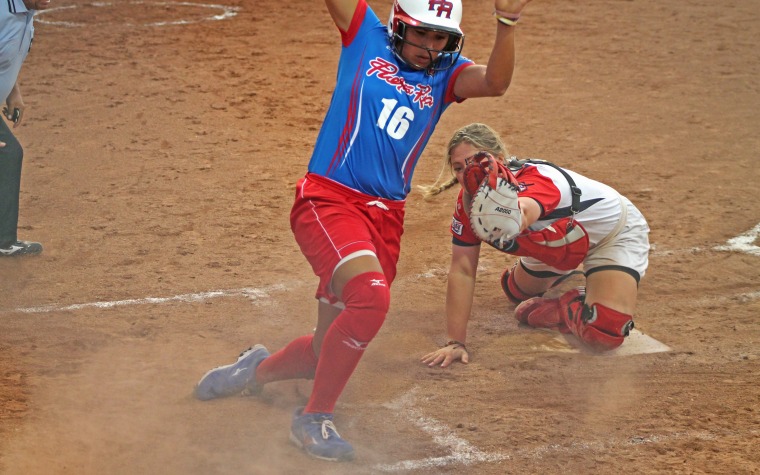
x=442, y=16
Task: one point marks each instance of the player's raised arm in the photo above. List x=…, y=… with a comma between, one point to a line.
x=342, y=11
x=494, y=78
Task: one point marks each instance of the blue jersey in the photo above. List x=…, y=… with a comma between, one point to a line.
x=381, y=115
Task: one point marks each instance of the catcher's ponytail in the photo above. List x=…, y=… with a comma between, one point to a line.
x=479, y=136
x=429, y=191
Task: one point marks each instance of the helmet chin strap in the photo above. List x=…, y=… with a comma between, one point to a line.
x=430, y=53
x=398, y=41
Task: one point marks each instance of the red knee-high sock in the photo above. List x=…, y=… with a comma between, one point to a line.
x=295, y=361
x=336, y=364
x=367, y=298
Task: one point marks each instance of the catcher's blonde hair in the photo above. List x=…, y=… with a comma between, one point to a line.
x=480, y=136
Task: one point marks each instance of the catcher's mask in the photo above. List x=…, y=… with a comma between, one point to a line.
x=442, y=16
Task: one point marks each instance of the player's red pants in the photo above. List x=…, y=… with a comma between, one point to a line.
x=333, y=223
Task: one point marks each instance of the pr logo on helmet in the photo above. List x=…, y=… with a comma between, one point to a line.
x=444, y=7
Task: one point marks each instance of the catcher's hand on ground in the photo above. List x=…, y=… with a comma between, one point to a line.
x=495, y=214
x=447, y=355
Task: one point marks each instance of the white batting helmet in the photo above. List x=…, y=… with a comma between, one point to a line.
x=437, y=15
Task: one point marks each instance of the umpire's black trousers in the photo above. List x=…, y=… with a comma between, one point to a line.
x=11, y=157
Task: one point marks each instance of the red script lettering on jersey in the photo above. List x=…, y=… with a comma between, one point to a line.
x=387, y=72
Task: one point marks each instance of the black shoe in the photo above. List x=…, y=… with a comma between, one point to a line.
x=21, y=248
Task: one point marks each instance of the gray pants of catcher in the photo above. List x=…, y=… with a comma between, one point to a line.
x=11, y=157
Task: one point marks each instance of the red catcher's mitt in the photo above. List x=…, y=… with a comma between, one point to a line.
x=495, y=214
x=483, y=165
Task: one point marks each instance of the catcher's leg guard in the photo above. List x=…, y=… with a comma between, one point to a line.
x=598, y=326
x=541, y=312
x=510, y=288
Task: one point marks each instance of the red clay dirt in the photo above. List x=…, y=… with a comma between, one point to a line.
x=161, y=161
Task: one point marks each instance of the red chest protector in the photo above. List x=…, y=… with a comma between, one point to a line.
x=562, y=245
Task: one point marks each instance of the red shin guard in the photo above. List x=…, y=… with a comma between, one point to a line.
x=598, y=326
x=510, y=288
x=540, y=312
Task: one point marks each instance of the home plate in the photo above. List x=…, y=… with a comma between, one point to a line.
x=636, y=343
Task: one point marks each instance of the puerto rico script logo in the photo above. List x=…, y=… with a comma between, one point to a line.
x=386, y=71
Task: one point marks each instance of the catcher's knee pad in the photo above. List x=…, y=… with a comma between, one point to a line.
x=541, y=312
x=514, y=293
x=597, y=325
x=367, y=298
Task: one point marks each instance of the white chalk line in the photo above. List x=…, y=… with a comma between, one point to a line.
x=743, y=242
x=741, y=298
x=227, y=12
x=463, y=453
x=250, y=293
x=253, y=294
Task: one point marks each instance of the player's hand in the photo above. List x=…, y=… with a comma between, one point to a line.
x=14, y=116
x=510, y=6
x=447, y=355
x=14, y=106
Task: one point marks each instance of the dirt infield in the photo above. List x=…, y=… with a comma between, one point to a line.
x=162, y=144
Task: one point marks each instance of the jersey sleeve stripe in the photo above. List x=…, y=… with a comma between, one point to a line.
x=450, y=97
x=347, y=37
x=350, y=122
x=417, y=150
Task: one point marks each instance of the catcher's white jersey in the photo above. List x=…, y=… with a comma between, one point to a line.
x=602, y=214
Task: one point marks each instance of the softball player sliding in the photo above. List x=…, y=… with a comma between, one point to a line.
x=394, y=82
x=559, y=230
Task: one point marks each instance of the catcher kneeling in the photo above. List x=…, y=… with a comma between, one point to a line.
x=555, y=220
